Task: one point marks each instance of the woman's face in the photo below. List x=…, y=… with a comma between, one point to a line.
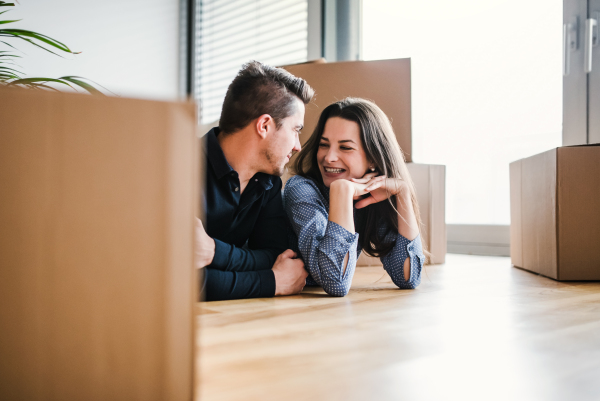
x=341, y=154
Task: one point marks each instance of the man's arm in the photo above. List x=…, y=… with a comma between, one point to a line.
x=287, y=277
x=220, y=285
x=268, y=239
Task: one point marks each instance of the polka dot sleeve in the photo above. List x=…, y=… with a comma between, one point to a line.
x=393, y=262
x=322, y=244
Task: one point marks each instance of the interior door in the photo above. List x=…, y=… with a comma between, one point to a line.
x=593, y=77
x=574, y=77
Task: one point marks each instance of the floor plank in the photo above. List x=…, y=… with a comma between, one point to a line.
x=476, y=328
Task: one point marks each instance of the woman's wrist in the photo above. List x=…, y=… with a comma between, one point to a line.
x=341, y=208
x=342, y=188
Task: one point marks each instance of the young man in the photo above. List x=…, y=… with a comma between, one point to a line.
x=243, y=246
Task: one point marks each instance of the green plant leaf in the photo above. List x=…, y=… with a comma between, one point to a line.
x=8, y=44
x=78, y=81
x=30, y=81
x=8, y=76
x=29, y=35
x=42, y=86
x=43, y=42
x=9, y=69
x=35, y=44
x=38, y=36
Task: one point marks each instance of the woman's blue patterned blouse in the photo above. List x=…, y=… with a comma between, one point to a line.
x=323, y=244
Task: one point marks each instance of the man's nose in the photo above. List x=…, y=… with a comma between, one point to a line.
x=297, y=146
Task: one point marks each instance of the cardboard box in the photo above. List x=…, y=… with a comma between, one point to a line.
x=430, y=184
x=555, y=213
x=97, y=214
x=386, y=82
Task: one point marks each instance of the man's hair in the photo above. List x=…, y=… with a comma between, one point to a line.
x=260, y=89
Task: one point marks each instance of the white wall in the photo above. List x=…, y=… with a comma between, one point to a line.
x=130, y=47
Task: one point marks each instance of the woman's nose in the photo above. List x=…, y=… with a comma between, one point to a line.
x=331, y=155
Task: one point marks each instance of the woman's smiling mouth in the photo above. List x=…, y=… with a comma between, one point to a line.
x=333, y=170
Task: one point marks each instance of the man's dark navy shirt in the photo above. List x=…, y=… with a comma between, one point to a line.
x=250, y=230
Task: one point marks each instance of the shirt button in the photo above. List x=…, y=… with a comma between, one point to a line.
x=256, y=179
x=236, y=189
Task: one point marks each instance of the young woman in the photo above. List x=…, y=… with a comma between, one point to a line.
x=353, y=192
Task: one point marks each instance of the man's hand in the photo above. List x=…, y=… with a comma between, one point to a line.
x=290, y=275
x=204, y=246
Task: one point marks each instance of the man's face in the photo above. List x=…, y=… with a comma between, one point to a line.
x=284, y=142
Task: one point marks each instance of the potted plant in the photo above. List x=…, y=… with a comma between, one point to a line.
x=9, y=73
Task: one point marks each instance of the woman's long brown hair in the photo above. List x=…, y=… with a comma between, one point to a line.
x=383, y=151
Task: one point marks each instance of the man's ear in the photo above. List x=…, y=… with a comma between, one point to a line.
x=264, y=125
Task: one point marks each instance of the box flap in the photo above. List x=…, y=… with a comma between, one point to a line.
x=581, y=145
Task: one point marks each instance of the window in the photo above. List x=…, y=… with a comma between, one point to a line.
x=486, y=89
x=230, y=33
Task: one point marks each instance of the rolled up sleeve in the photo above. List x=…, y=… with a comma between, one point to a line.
x=323, y=244
x=393, y=262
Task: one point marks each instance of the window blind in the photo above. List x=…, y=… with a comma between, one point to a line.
x=230, y=33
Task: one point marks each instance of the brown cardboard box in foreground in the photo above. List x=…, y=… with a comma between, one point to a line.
x=555, y=213
x=386, y=82
x=98, y=198
x=430, y=184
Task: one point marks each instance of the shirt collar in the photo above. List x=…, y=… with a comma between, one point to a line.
x=219, y=163
x=215, y=154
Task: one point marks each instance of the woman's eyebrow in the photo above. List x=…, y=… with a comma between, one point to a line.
x=347, y=140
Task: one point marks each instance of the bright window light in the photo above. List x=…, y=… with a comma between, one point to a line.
x=486, y=89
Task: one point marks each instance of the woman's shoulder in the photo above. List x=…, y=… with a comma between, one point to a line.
x=300, y=180
x=301, y=186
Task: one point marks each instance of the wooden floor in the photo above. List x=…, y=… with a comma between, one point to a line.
x=475, y=328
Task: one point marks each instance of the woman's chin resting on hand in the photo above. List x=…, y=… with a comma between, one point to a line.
x=349, y=197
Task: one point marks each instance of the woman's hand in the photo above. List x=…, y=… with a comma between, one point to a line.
x=358, y=186
x=379, y=187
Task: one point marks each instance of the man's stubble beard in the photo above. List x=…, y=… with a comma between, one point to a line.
x=278, y=167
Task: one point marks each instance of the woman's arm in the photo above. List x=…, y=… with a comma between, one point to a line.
x=407, y=220
x=406, y=259
x=325, y=245
x=341, y=207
